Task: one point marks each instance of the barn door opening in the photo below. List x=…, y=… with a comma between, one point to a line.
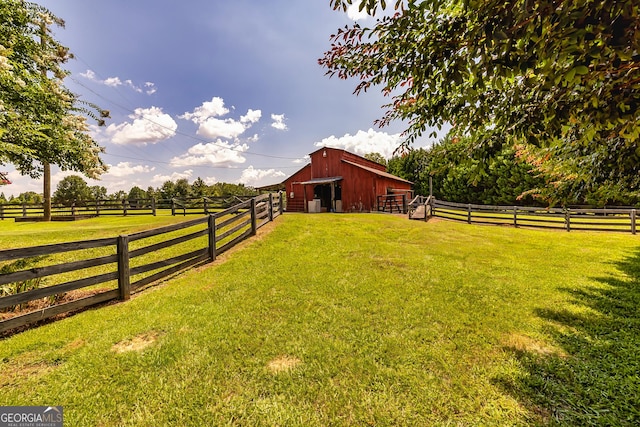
x=330, y=196
x=323, y=192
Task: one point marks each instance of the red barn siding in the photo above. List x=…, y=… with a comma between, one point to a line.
x=362, y=180
x=293, y=186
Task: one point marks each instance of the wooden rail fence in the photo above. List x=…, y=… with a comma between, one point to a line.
x=125, y=207
x=119, y=269
x=569, y=219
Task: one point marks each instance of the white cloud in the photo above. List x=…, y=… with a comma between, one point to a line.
x=160, y=179
x=278, y=121
x=252, y=116
x=365, y=142
x=305, y=159
x=113, y=82
x=217, y=153
x=149, y=88
x=355, y=14
x=216, y=128
x=126, y=169
x=258, y=177
x=210, y=180
x=149, y=126
x=213, y=108
x=210, y=126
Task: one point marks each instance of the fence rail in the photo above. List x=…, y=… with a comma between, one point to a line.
x=124, y=207
x=605, y=219
x=124, y=269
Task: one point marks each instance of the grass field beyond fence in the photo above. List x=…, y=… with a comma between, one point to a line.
x=362, y=319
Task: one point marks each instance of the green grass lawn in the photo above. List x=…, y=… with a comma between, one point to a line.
x=357, y=320
x=23, y=234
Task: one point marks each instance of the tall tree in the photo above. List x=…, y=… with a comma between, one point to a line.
x=559, y=79
x=413, y=165
x=98, y=192
x=72, y=189
x=137, y=197
x=376, y=157
x=42, y=122
x=199, y=188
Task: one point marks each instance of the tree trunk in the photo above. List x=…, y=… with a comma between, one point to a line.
x=46, y=192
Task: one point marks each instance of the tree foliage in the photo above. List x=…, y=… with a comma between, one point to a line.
x=376, y=157
x=558, y=80
x=413, y=165
x=72, y=190
x=41, y=121
x=498, y=179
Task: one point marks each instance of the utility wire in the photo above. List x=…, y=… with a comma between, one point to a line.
x=176, y=131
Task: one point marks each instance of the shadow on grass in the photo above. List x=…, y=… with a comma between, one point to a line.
x=595, y=378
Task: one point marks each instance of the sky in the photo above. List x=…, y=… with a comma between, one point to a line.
x=227, y=91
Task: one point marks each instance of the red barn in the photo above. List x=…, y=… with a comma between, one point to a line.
x=339, y=181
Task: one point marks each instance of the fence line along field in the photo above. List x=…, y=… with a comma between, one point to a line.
x=104, y=207
x=40, y=282
x=616, y=219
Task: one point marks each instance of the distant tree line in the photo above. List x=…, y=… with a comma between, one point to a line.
x=74, y=189
x=497, y=177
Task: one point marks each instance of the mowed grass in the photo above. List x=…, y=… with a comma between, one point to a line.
x=357, y=320
x=24, y=234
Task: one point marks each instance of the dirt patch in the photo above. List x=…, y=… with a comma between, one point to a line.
x=46, y=302
x=524, y=343
x=18, y=374
x=283, y=363
x=25, y=367
x=137, y=343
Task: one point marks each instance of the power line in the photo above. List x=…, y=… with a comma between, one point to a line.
x=207, y=166
x=178, y=132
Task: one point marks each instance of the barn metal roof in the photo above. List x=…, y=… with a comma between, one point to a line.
x=378, y=172
x=326, y=180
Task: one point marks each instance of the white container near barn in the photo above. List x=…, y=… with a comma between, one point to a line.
x=314, y=206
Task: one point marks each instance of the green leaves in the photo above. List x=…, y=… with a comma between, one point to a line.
x=546, y=73
x=41, y=120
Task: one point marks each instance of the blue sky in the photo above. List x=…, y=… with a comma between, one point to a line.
x=229, y=91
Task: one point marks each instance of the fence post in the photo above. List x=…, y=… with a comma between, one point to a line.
x=270, y=207
x=124, y=207
x=633, y=221
x=515, y=216
x=24, y=209
x=212, y=237
x=153, y=206
x=73, y=208
x=567, y=220
x=254, y=220
x=124, y=284
x=206, y=206
x=430, y=186
x=280, y=203
x=173, y=207
x=469, y=213
x=2, y=212
x=404, y=204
